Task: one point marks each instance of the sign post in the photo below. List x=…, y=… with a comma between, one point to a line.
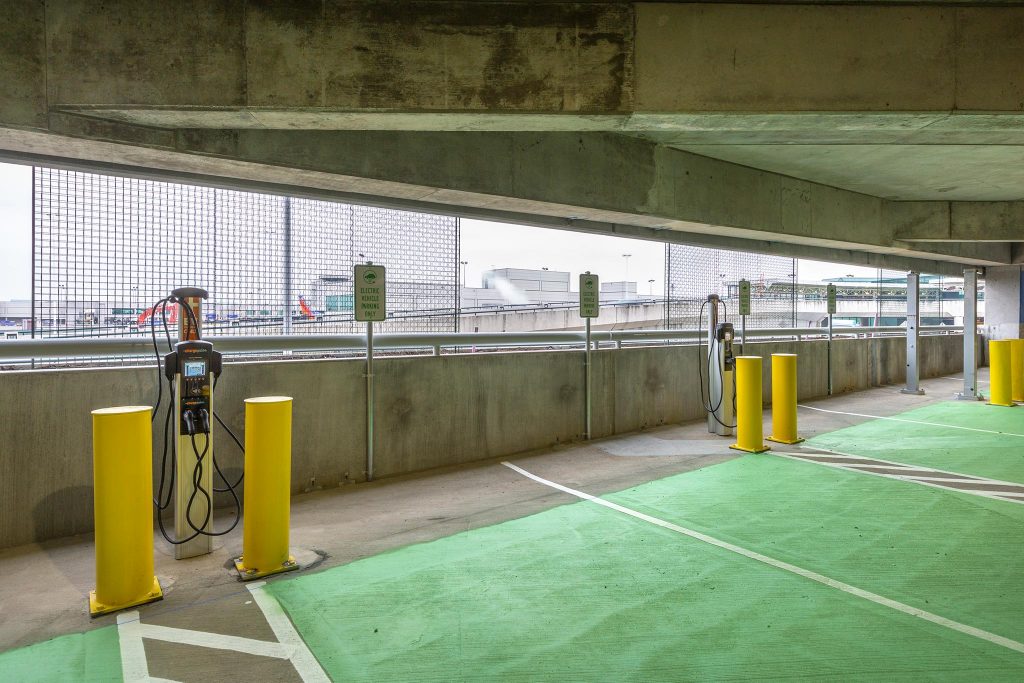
x=831, y=311
x=590, y=307
x=744, y=311
x=369, y=305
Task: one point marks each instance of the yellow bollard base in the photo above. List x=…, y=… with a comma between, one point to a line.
x=737, y=447
x=1001, y=405
x=250, y=573
x=785, y=441
x=97, y=608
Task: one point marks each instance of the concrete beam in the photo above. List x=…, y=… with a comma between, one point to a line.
x=972, y=222
x=552, y=57
x=594, y=182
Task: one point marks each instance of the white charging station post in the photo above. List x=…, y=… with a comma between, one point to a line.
x=369, y=305
x=590, y=307
x=744, y=311
x=186, y=456
x=831, y=312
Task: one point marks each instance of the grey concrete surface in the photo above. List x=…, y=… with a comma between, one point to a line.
x=1004, y=294
x=46, y=584
x=786, y=128
x=430, y=412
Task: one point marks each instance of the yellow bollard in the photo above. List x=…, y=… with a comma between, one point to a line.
x=268, y=474
x=784, y=398
x=749, y=430
x=1000, y=389
x=122, y=476
x=1017, y=369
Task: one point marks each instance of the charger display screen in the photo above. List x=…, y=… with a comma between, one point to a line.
x=195, y=369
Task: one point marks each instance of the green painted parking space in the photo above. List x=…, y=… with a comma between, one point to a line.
x=991, y=446
x=586, y=593
x=93, y=656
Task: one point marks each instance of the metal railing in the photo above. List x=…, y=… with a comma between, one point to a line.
x=23, y=352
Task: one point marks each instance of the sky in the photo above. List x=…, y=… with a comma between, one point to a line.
x=485, y=245
x=15, y=232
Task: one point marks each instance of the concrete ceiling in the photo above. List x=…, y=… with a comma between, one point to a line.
x=889, y=129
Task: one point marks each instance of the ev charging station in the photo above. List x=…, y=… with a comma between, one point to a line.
x=189, y=369
x=721, y=367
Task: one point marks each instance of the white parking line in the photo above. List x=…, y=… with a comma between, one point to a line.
x=290, y=646
x=799, y=571
x=916, y=422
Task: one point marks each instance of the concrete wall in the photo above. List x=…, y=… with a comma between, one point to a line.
x=431, y=412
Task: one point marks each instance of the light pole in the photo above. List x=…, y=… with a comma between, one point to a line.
x=626, y=256
x=650, y=287
x=463, y=264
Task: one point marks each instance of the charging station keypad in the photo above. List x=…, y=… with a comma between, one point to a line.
x=194, y=370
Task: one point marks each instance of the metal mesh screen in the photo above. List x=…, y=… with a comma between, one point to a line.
x=105, y=248
x=692, y=273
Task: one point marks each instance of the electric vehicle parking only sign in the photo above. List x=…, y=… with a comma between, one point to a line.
x=831, y=299
x=369, y=293
x=590, y=304
x=744, y=297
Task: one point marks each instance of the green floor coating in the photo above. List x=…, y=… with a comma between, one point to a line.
x=582, y=592
x=998, y=456
x=93, y=656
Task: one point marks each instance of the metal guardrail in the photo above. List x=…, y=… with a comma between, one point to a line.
x=25, y=350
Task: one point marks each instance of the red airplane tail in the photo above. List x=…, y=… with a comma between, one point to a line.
x=306, y=310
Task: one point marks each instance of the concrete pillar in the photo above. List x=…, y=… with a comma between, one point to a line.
x=1004, y=302
x=913, y=311
x=970, y=391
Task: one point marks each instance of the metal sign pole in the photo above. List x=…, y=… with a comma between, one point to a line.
x=369, y=400
x=586, y=362
x=369, y=306
x=590, y=307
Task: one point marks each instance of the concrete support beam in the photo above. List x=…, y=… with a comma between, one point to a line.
x=972, y=222
x=595, y=182
x=1004, y=302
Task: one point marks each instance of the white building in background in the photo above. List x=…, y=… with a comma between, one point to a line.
x=528, y=287
x=16, y=314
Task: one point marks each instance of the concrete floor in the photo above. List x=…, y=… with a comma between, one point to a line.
x=45, y=585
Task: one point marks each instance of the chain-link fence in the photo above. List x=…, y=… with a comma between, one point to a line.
x=106, y=248
x=692, y=273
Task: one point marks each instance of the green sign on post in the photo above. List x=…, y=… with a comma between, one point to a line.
x=831, y=299
x=744, y=297
x=369, y=293
x=590, y=304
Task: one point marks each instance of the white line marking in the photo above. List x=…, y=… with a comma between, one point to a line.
x=971, y=480
x=917, y=422
x=885, y=465
x=983, y=494
x=813, y=576
x=290, y=646
x=917, y=467
x=215, y=641
x=301, y=657
x=134, y=668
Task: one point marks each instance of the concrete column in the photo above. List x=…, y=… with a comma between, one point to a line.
x=1004, y=302
x=970, y=391
x=913, y=311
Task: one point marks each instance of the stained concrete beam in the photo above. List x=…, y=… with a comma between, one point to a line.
x=972, y=222
x=516, y=57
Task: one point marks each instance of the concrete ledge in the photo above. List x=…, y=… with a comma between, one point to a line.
x=431, y=412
